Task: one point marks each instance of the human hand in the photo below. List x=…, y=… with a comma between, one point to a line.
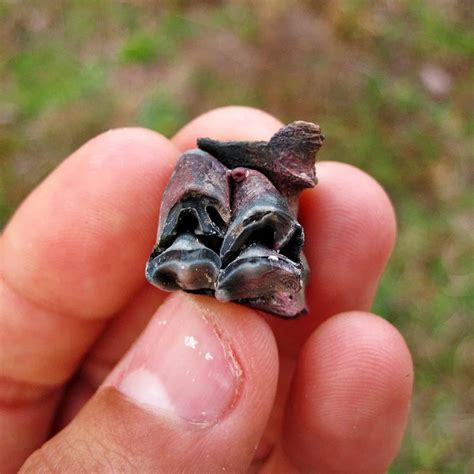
x=207, y=387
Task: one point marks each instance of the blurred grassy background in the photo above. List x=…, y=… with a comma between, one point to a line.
x=391, y=83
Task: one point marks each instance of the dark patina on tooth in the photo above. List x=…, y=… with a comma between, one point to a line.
x=194, y=215
x=262, y=247
x=187, y=264
x=197, y=198
x=260, y=214
x=258, y=271
x=228, y=221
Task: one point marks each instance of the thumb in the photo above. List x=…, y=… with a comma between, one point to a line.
x=192, y=395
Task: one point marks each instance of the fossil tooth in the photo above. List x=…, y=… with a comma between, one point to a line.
x=187, y=264
x=193, y=220
x=261, y=215
x=261, y=251
x=196, y=200
x=228, y=221
x=287, y=159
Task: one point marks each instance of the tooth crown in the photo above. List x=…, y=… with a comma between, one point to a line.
x=228, y=222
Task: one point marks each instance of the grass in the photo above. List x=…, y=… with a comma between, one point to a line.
x=70, y=71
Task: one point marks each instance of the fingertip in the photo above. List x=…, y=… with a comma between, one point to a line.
x=130, y=137
x=363, y=349
x=351, y=394
x=351, y=203
x=78, y=242
x=135, y=152
x=228, y=123
x=194, y=392
x=210, y=361
x=121, y=149
x=350, y=231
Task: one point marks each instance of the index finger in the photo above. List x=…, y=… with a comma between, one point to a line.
x=71, y=256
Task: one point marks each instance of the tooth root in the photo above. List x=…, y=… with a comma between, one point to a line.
x=186, y=264
x=287, y=159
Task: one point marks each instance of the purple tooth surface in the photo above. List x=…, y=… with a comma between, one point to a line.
x=194, y=215
x=228, y=221
x=260, y=214
x=198, y=196
x=262, y=247
x=285, y=305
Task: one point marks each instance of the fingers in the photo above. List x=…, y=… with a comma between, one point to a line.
x=75, y=245
x=94, y=255
x=350, y=231
x=351, y=228
x=350, y=397
x=71, y=257
x=192, y=395
x=113, y=343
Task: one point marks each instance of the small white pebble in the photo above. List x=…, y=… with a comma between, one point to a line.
x=208, y=356
x=273, y=257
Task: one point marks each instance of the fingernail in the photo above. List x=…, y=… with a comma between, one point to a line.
x=181, y=364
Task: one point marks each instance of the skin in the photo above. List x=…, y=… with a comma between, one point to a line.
x=326, y=393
